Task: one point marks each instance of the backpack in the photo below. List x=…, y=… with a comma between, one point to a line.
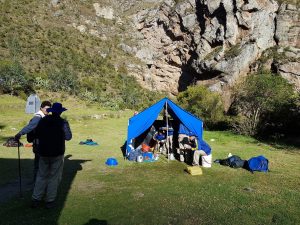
x=233, y=161
x=133, y=154
x=258, y=163
x=32, y=134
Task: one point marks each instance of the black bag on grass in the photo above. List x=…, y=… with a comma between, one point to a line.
x=11, y=142
x=233, y=161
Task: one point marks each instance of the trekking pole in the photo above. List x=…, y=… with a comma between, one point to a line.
x=20, y=179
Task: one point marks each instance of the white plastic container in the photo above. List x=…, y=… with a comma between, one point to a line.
x=139, y=158
x=207, y=161
x=181, y=158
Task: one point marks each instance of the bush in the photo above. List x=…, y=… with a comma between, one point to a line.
x=117, y=91
x=282, y=122
x=13, y=79
x=258, y=99
x=205, y=104
x=63, y=80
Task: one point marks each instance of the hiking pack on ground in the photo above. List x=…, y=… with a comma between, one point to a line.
x=233, y=161
x=258, y=163
x=11, y=142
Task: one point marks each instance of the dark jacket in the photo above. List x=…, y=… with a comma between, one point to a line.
x=187, y=141
x=52, y=131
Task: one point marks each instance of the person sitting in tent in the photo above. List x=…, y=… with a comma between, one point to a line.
x=183, y=132
x=160, y=138
x=149, y=137
x=187, y=144
x=170, y=133
x=204, y=151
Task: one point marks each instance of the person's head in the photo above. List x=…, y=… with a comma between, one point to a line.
x=161, y=131
x=56, y=109
x=44, y=106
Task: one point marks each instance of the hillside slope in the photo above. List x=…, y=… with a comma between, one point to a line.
x=166, y=45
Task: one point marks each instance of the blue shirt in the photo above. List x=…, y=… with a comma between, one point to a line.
x=160, y=137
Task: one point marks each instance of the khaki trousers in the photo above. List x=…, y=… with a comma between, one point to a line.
x=197, y=154
x=48, y=178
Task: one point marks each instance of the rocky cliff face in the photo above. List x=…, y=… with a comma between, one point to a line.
x=214, y=42
x=169, y=45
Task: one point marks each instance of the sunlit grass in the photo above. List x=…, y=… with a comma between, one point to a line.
x=150, y=193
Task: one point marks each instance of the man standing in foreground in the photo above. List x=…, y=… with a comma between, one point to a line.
x=29, y=128
x=52, y=132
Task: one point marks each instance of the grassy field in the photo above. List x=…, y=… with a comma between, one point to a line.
x=149, y=193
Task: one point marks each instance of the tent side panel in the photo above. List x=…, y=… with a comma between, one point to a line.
x=142, y=121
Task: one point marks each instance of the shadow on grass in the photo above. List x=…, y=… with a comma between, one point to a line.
x=123, y=149
x=18, y=211
x=287, y=143
x=96, y=222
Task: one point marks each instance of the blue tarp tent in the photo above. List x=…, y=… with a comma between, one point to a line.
x=144, y=120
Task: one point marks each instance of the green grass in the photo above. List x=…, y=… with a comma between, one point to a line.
x=149, y=193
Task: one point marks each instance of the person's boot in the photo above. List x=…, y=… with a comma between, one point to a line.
x=35, y=203
x=50, y=205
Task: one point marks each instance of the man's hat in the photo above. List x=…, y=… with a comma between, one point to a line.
x=57, y=108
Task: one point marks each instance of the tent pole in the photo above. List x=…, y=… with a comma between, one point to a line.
x=166, y=114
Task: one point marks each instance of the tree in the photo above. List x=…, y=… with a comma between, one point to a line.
x=257, y=97
x=205, y=104
x=63, y=80
x=12, y=78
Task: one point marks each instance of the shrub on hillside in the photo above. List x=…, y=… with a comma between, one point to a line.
x=63, y=80
x=117, y=91
x=205, y=104
x=258, y=100
x=13, y=79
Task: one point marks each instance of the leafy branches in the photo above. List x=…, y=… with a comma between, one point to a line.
x=203, y=103
x=257, y=97
x=13, y=79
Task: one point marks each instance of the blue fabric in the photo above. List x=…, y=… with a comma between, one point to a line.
x=160, y=137
x=143, y=121
x=134, y=154
x=183, y=129
x=259, y=163
x=170, y=131
x=202, y=145
x=192, y=123
x=88, y=142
